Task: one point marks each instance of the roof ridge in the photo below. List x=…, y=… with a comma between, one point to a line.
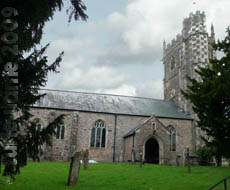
x=139, y=125
x=107, y=103
x=106, y=94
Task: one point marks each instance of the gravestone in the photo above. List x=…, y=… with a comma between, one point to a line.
x=86, y=159
x=178, y=160
x=141, y=159
x=121, y=156
x=133, y=156
x=74, y=169
x=188, y=159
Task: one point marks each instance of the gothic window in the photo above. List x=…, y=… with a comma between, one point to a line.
x=98, y=134
x=172, y=62
x=173, y=144
x=60, y=133
x=154, y=126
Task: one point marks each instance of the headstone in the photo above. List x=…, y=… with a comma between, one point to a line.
x=74, y=169
x=188, y=160
x=143, y=156
x=178, y=158
x=184, y=157
x=141, y=159
x=218, y=161
x=120, y=157
x=86, y=159
x=133, y=156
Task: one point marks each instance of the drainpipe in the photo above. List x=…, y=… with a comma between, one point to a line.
x=133, y=138
x=114, y=142
x=133, y=150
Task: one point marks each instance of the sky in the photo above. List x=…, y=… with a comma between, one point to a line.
x=118, y=50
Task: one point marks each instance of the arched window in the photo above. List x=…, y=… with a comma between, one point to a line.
x=154, y=126
x=173, y=145
x=172, y=62
x=98, y=134
x=60, y=133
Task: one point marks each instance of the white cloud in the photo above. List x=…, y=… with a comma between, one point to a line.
x=138, y=33
x=134, y=36
x=76, y=50
x=124, y=89
x=95, y=78
x=151, y=89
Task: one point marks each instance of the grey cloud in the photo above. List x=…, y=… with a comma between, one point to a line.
x=151, y=89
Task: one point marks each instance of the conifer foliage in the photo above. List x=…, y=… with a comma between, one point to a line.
x=210, y=98
x=32, y=69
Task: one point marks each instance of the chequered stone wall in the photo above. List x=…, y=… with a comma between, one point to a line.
x=191, y=49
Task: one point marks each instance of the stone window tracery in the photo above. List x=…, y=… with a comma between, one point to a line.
x=173, y=138
x=98, y=135
x=60, y=133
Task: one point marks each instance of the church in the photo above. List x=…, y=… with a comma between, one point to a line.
x=122, y=128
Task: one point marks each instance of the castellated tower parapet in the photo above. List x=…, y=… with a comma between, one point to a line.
x=190, y=48
x=176, y=41
x=193, y=24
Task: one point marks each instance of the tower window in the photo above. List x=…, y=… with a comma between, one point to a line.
x=172, y=93
x=172, y=62
x=98, y=135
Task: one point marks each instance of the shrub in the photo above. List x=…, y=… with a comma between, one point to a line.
x=204, y=155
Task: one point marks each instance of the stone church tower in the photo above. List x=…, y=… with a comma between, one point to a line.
x=126, y=128
x=182, y=56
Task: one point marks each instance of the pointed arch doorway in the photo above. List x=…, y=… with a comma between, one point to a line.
x=152, y=151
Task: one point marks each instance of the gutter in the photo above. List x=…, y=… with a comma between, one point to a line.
x=131, y=134
x=101, y=112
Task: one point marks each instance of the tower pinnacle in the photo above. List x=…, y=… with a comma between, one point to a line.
x=164, y=45
x=212, y=34
x=212, y=31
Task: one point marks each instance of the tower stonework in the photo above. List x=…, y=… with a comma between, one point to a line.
x=192, y=47
x=182, y=56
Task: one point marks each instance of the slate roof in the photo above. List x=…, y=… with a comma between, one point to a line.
x=105, y=103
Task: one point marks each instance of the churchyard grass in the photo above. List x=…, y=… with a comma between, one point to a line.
x=116, y=176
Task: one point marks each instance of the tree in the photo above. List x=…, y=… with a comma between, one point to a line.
x=27, y=18
x=210, y=98
x=204, y=155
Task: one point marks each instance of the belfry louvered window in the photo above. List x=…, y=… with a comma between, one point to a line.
x=172, y=62
x=98, y=134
